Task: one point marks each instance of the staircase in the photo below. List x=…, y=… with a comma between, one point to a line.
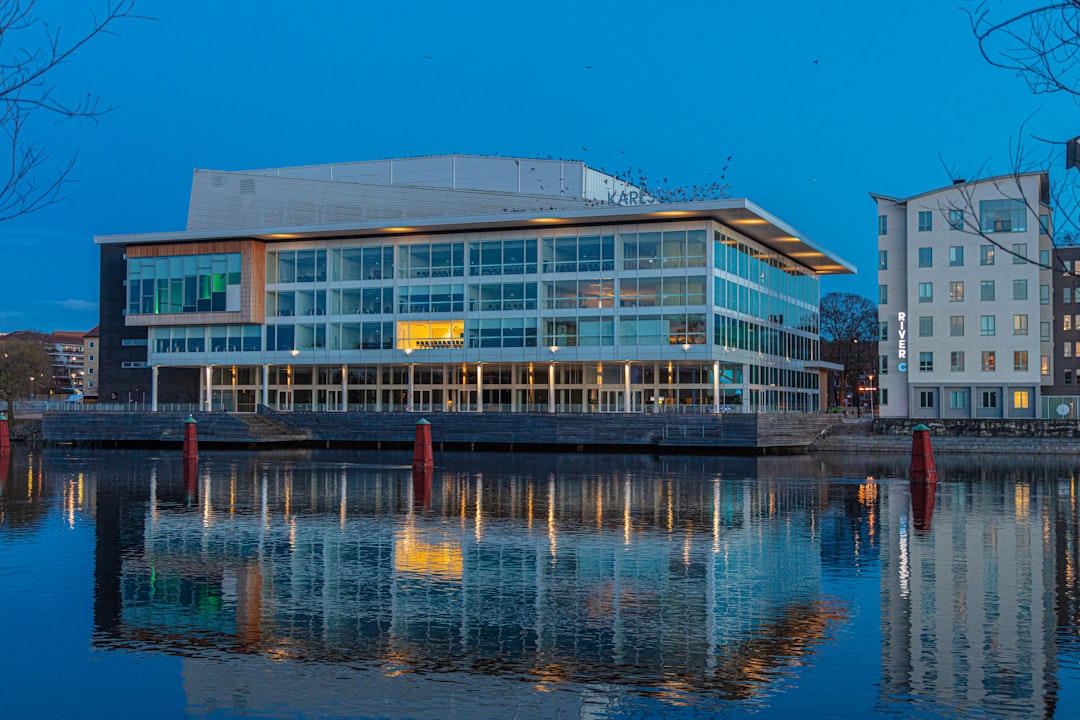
x=262, y=429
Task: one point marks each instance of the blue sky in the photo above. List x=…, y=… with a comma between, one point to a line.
x=817, y=105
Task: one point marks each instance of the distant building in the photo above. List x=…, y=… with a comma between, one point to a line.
x=462, y=283
x=91, y=343
x=965, y=299
x=66, y=351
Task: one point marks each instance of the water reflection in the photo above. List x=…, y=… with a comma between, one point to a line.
x=586, y=585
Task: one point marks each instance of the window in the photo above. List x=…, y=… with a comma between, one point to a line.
x=1002, y=216
x=1066, y=295
x=883, y=260
x=987, y=325
x=1066, y=322
x=956, y=326
x=926, y=326
x=1044, y=224
x=883, y=364
x=1020, y=360
x=1066, y=350
x=883, y=331
x=956, y=256
x=956, y=219
x=989, y=361
x=1019, y=289
x=956, y=291
x=1020, y=324
x=882, y=224
x=1044, y=258
x=926, y=362
x=957, y=399
x=1044, y=294
x=986, y=290
x=926, y=220
x=884, y=396
x=926, y=292
x=1021, y=399
x=926, y=257
x=1019, y=253
x=989, y=398
x=956, y=361
x=1068, y=377
x=883, y=294
x=986, y=254
x=1044, y=332
x=926, y=398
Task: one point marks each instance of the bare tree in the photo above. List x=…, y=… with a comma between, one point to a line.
x=849, y=334
x=30, y=53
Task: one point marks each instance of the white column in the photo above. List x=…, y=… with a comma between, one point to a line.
x=153, y=389
x=409, y=395
x=716, y=386
x=344, y=388
x=513, y=386
x=266, y=385
x=627, y=406
x=479, y=387
x=208, y=374
x=551, y=387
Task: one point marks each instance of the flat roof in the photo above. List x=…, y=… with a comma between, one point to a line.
x=739, y=214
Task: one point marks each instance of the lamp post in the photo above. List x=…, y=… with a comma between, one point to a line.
x=872, y=391
x=551, y=379
x=678, y=379
x=409, y=394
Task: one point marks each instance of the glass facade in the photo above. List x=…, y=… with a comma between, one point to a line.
x=183, y=284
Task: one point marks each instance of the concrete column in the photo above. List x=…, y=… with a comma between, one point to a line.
x=153, y=388
x=344, y=388
x=266, y=385
x=627, y=401
x=479, y=387
x=551, y=387
x=513, y=387
x=716, y=387
x=208, y=401
x=409, y=394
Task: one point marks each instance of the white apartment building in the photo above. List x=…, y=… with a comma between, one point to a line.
x=964, y=305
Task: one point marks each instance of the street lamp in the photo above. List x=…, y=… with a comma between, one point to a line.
x=551, y=378
x=409, y=395
x=872, y=391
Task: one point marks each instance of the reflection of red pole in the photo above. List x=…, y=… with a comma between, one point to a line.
x=191, y=459
x=422, y=457
x=922, y=504
x=421, y=482
x=5, y=438
x=922, y=456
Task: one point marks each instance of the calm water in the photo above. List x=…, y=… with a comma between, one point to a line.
x=329, y=584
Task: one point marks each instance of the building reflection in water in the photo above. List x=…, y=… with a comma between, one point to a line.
x=673, y=582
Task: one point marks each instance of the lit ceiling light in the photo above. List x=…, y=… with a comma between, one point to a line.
x=546, y=220
x=750, y=221
x=281, y=236
x=672, y=213
x=399, y=229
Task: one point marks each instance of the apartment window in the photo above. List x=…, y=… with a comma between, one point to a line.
x=956, y=326
x=1068, y=377
x=1021, y=399
x=91, y=344
x=1044, y=258
x=926, y=220
x=926, y=257
x=1020, y=360
x=956, y=361
x=882, y=259
x=986, y=254
x=986, y=290
x=1066, y=350
x=1044, y=332
x=957, y=399
x=882, y=224
x=926, y=398
x=987, y=325
x=956, y=219
x=1066, y=322
x=956, y=256
x=1066, y=295
x=883, y=364
x=1044, y=294
x=1044, y=224
x=883, y=294
x=884, y=396
x=989, y=398
x=1076, y=347
x=1002, y=216
x=1019, y=289
x=1019, y=253
x=883, y=331
x=926, y=292
x=926, y=326
x=956, y=291
x=926, y=362
x=989, y=361
x=1020, y=324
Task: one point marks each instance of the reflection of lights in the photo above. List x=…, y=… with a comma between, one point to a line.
x=551, y=515
x=716, y=516
x=208, y=510
x=599, y=506
x=153, y=494
x=479, y=507
x=626, y=513
x=530, y=505
x=416, y=556
x=903, y=571
x=344, y=498
x=1022, y=498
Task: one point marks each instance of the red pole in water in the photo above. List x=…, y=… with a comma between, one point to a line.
x=191, y=440
x=922, y=456
x=5, y=439
x=422, y=457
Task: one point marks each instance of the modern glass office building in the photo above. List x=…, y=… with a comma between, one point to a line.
x=461, y=283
